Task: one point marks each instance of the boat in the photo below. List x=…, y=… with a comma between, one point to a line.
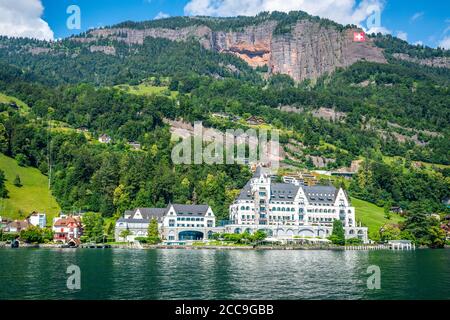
x=15, y=244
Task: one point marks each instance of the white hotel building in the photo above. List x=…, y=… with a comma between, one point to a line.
x=291, y=209
x=176, y=222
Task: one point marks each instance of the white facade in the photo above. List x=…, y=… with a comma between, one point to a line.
x=175, y=223
x=289, y=208
x=38, y=220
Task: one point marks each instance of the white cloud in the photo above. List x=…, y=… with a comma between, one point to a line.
x=342, y=11
x=22, y=18
x=417, y=16
x=418, y=43
x=161, y=15
x=381, y=30
x=402, y=35
x=445, y=43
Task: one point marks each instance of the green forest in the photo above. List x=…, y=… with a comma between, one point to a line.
x=381, y=102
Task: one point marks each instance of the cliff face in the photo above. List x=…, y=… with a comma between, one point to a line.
x=309, y=51
x=437, y=62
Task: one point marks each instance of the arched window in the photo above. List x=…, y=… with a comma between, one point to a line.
x=242, y=208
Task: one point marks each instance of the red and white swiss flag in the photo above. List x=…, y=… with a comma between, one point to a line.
x=359, y=36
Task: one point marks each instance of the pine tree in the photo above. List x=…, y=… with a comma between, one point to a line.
x=152, y=232
x=3, y=191
x=338, y=234
x=17, y=181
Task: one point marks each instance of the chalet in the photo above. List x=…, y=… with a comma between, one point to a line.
x=4, y=223
x=135, y=145
x=104, y=139
x=254, y=120
x=67, y=229
x=17, y=226
x=38, y=219
x=398, y=210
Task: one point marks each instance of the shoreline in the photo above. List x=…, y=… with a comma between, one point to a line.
x=219, y=248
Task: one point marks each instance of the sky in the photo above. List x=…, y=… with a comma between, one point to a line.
x=417, y=21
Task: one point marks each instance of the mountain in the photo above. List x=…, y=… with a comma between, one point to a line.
x=383, y=104
x=294, y=44
x=306, y=51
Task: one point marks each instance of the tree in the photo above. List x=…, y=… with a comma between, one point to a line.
x=17, y=182
x=3, y=191
x=387, y=210
x=436, y=236
x=259, y=236
x=22, y=160
x=338, y=234
x=32, y=235
x=390, y=232
x=152, y=232
x=93, y=226
x=3, y=139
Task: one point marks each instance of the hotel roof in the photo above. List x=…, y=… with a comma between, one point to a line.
x=188, y=209
x=288, y=191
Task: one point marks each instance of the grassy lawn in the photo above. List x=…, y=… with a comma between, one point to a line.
x=32, y=196
x=372, y=216
x=146, y=89
x=23, y=107
x=390, y=160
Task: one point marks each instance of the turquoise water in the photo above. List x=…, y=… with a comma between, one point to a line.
x=233, y=274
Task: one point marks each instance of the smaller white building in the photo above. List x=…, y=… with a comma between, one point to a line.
x=38, y=219
x=176, y=222
x=104, y=138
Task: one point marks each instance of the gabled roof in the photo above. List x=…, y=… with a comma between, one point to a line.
x=321, y=194
x=159, y=213
x=288, y=192
x=246, y=192
x=133, y=220
x=19, y=224
x=150, y=213
x=283, y=191
x=191, y=209
x=67, y=221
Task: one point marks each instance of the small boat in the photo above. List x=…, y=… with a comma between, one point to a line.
x=14, y=243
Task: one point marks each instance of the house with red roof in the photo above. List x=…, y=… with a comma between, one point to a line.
x=67, y=229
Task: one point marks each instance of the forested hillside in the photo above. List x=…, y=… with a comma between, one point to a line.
x=74, y=94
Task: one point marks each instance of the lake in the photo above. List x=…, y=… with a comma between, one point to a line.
x=227, y=274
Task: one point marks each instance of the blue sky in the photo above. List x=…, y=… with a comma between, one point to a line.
x=425, y=21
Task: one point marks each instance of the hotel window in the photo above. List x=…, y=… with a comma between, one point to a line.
x=210, y=223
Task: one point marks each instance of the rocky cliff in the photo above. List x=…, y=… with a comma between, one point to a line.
x=307, y=52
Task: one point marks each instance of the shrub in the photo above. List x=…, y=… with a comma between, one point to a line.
x=141, y=239
x=353, y=241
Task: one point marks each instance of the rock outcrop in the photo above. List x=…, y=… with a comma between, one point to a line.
x=437, y=62
x=307, y=52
